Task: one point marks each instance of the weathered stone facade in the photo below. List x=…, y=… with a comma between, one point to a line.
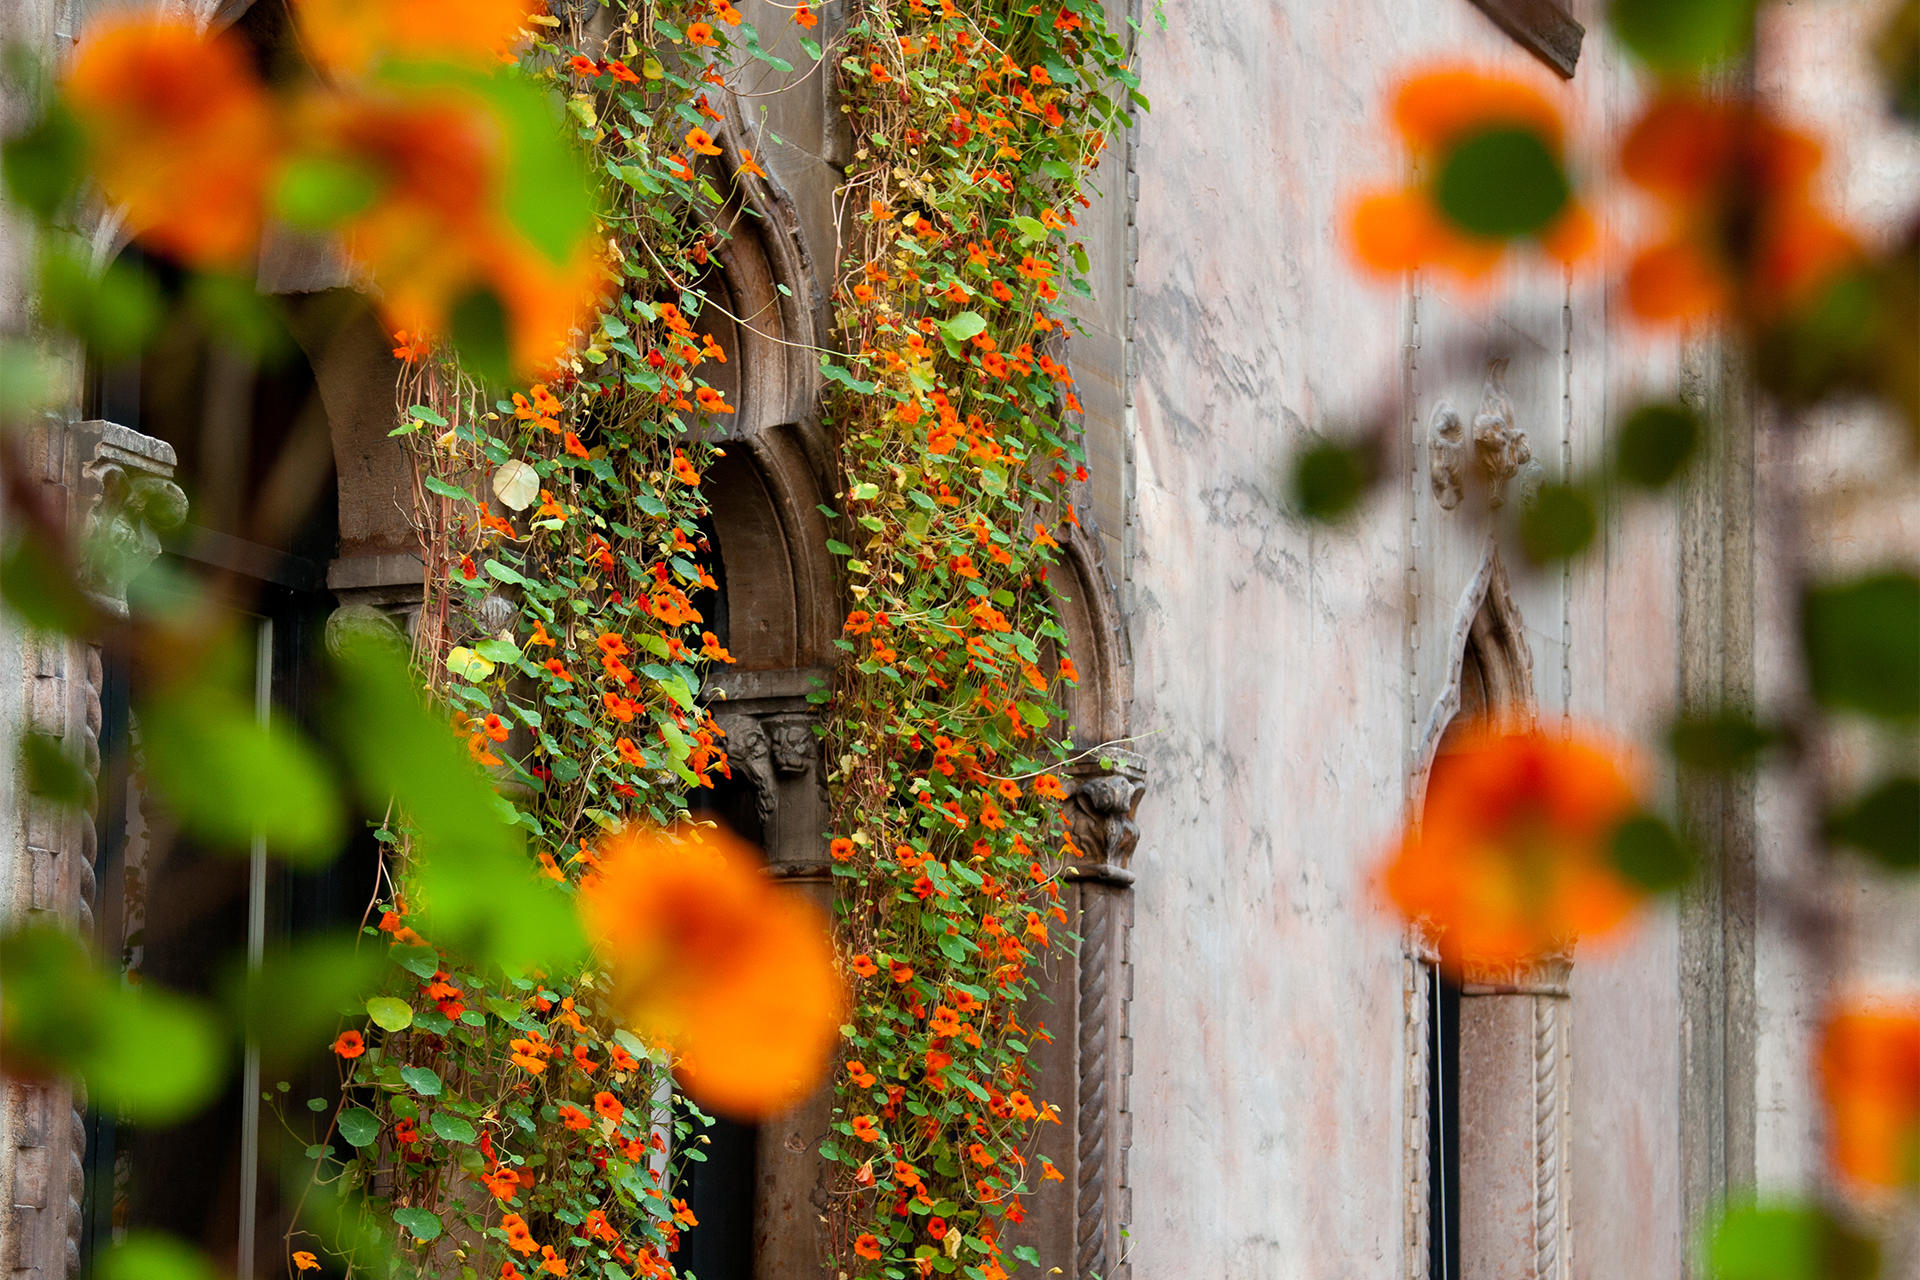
x=1243, y=1037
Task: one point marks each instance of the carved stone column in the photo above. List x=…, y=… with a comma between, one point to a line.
x=1515, y=1089
x=1102, y=801
x=116, y=488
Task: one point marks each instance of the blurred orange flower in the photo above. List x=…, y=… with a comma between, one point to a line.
x=350, y=37
x=1513, y=858
x=736, y=973
x=1869, y=1063
x=1434, y=112
x=1743, y=228
x=179, y=131
x=437, y=231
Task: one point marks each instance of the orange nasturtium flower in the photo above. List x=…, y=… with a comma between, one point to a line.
x=305, y=1261
x=1743, y=227
x=349, y=1045
x=179, y=132
x=349, y=37
x=1870, y=1078
x=1514, y=856
x=1436, y=112
x=707, y=955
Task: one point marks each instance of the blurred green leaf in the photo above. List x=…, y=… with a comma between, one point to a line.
x=51, y=773
x=1502, y=183
x=1655, y=443
x=318, y=191
x=32, y=381
x=113, y=311
x=479, y=325
x=472, y=881
x=154, y=1255
x=228, y=777
x=1788, y=1241
x=234, y=311
x=1823, y=346
x=1883, y=823
x=1329, y=478
x=34, y=588
x=1861, y=637
x=151, y=1054
x=1648, y=852
x=1723, y=741
x=1558, y=524
x=297, y=995
x=43, y=166
x=422, y=1223
x=1898, y=52
x=359, y=1126
x=390, y=1014
x=1684, y=35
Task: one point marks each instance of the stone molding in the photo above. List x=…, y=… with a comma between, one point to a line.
x=116, y=488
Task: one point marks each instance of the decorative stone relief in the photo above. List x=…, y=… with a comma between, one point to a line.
x=1500, y=445
x=130, y=499
x=1447, y=456
x=794, y=746
x=1101, y=803
x=750, y=756
x=1499, y=450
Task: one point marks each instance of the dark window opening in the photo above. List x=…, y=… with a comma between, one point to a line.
x=1443, y=1125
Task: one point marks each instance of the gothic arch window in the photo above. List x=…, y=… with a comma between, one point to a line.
x=1489, y=688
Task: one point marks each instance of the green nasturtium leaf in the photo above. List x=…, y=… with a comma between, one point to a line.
x=1648, y=852
x=33, y=587
x=1329, y=479
x=1503, y=183
x=1724, y=741
x=359, y=1126
x=329, y=977
x=422, y=1223
x=1684, y=35
x=474, y=885
x=390, y=1014
x=422, y=1080
x=150, y=1053
x=114, y=311
x=451, y=1127
x=516, y=484
x=1883, y=823
x=154, y=1255
x=469, y=664
x=43, y=165
x=1655, y=444
x=1558, y=524
x=1788, y=1241
x=51, y=773
x=229, y=777
x=1860, y=637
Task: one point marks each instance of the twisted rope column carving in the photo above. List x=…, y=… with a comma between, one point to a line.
x=1546, y=1138
x=1417, y=1158
x=1092, y=1100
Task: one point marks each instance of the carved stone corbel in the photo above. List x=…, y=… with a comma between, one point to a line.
x=1500, y=445
x=117, y=489
x=750, y=755
x=1494, y=453
x=794, y=746
x=1101, y=803
x=126, y=491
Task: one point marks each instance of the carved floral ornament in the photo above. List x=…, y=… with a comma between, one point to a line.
x=1496, y=452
